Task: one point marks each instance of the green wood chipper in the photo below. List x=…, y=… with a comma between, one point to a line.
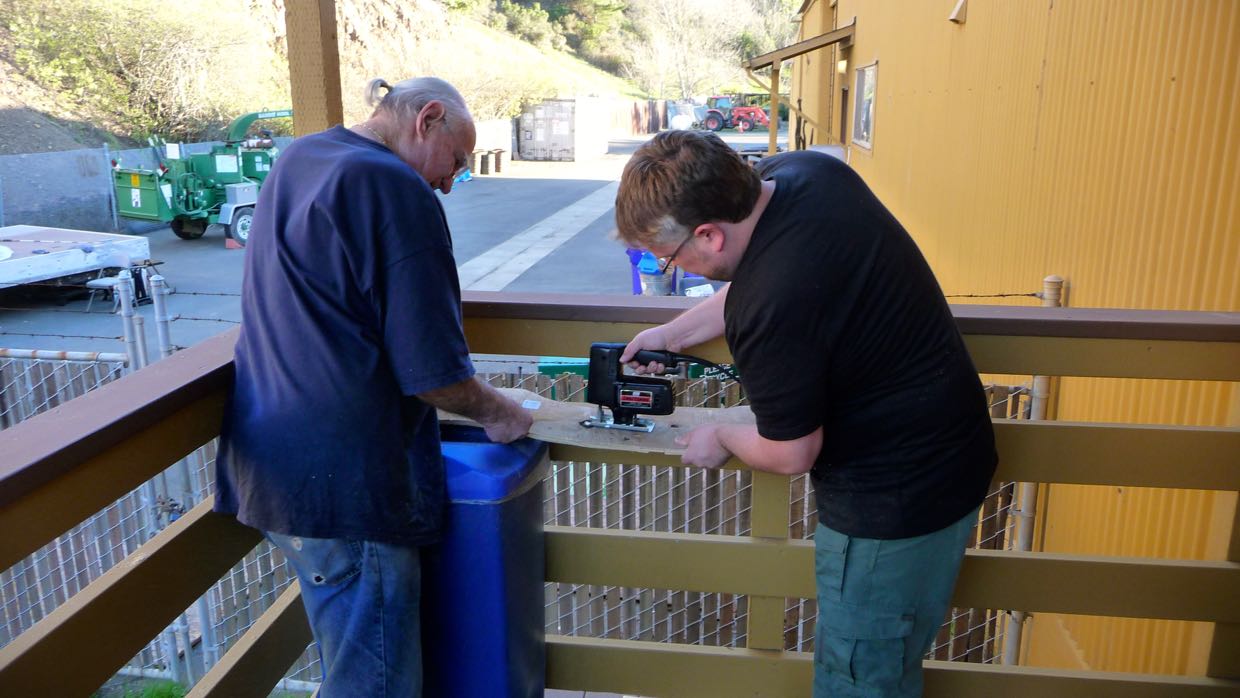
x=190, y=192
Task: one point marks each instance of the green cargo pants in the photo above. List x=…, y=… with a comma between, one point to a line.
x=880, y=604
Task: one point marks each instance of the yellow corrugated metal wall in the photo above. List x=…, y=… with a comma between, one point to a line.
x=1098, y=140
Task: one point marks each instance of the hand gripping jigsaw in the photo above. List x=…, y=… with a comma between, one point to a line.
x=629, y=396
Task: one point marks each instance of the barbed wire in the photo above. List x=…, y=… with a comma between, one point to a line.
x=992, y=295
x=58, y=310
x=4, y=332
x=202, y=319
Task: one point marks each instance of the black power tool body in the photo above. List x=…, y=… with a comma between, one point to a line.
x=627, y=396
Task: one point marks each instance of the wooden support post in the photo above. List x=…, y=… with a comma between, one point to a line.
x=771, y=147
x=768, y=519
x=1224, y=662
x=314, y=65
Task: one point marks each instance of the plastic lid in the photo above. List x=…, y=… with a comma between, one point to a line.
x=649, y=264
x=481, y=471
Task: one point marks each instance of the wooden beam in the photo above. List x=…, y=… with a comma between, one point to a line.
x=773, y=129
x=1078, y=453
x=314, y=65
x=1134, y=455
x=967, y=680
x=560, y=338
x=1055, y=356
x=64, y=465
x=693, y=671
x=666, y=669
x=1105, y=358
x=111, y=620
x=681, y=561
x=262, y=656
x=1102, y=586
x=1045, y=582
x=1224, y=658
x=63, y=503
x=774, y=58
x=765, y=87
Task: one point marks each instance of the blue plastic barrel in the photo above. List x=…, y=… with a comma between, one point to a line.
x=482, y=600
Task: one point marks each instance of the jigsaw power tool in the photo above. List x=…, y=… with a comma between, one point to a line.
x=629, y=396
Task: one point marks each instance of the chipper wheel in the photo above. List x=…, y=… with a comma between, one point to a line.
x=239, y=229
x=188, y=228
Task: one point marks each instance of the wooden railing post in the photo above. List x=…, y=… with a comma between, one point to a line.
x=768, y=518
x=1224, y=660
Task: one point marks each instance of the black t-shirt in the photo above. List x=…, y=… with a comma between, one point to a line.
x=835, y=320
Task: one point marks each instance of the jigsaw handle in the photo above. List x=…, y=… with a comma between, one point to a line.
x=646, y=356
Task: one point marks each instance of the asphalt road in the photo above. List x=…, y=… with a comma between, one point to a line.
x=537, y=227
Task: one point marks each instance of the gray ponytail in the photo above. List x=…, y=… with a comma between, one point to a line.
x=372, y=91
x=406, y=98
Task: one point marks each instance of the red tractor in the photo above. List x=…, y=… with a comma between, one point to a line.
x=723, y=112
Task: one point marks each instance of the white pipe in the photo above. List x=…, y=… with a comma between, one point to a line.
x=159, y=298
x=52, y=355
x=1027, y=492
x=139, y=328
x=124, y=290
x=181, y=630
x=206, y=629
x=145, y=673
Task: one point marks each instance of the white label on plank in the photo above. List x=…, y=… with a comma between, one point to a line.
x=225, y=163
x=167, y=190
x=531, y=404
x=135, y=198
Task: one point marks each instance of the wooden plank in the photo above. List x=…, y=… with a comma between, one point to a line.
x=779, y=55
x=1058, y=356
x=1135, y=455
x=314, y=65
x=260, y=658
x=683, y=671
x=53, y=508
x=1030, y=451
x=133, y=601
x=560, y=337
x=1105, y=358
x=666, y=669
x=961, y=680
x=1111, y=586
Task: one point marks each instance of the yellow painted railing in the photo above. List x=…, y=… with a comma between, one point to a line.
x=60, y=467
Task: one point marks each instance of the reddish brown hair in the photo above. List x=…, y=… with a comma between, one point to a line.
x=678, y=181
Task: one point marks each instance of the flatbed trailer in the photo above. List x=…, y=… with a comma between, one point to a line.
x=33, y=254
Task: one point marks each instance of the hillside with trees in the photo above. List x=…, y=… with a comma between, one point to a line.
x=88, y=71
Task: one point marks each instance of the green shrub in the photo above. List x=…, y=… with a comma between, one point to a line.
x=140, y=67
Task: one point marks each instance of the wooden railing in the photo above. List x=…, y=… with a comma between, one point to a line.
x=58, y=468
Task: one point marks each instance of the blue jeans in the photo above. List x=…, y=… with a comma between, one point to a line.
x=880, y=604
x=362, y=599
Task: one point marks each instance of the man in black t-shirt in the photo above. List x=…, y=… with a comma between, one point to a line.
x=855, y=372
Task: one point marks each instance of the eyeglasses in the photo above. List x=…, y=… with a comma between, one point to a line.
x=667, y=261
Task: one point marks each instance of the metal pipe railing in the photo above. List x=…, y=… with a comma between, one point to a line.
x=1027, y=492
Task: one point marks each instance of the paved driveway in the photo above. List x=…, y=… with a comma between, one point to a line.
x=537, y=227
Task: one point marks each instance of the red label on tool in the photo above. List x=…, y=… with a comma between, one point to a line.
x=636, y=398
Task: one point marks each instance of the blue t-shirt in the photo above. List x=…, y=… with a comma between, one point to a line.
x=351, y=307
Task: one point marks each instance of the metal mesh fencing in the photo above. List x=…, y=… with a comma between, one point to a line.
x=36, y=586
x=647, y=498
x=31, y=386
x=599, y=495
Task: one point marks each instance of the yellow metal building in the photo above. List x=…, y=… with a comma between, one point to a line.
x=1094, y=139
